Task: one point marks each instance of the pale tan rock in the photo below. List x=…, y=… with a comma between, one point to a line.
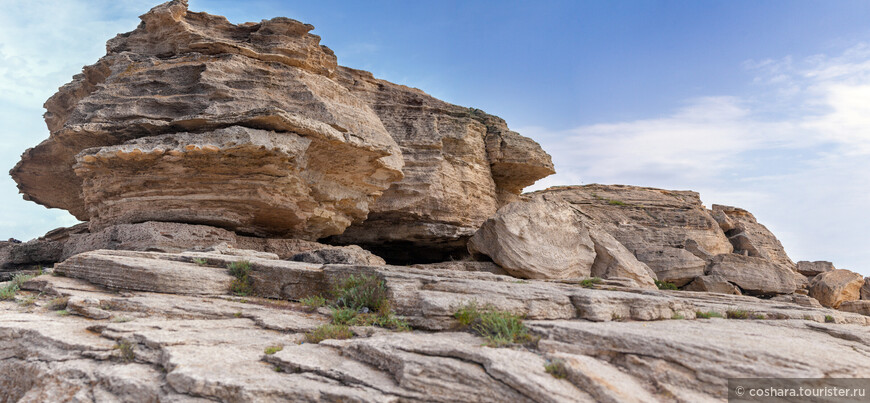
x=351, y=254
x=461, y=165
x=604, y=381
x=536, y=239
x=798, y=299
x=865, y=289
x=862, y=307
x=189, y=94
x=461, y=265
x=714, y=283
x=613, y=260
x=654, y=224
x=811, y=269
x=836, y=286
x=753, y=239
x=754, y=276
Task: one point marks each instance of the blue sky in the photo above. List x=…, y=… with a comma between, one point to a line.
x=759, y=104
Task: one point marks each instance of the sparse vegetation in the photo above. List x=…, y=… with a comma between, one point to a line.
x=237, y=314
x=9, y=291
x=57, y=304
x=829, y=319
x=677, y=316
x=28, y=301
x=62, y=312
x=590, y=282
x=328, y=331
x=707, y=315
x=664, y=285
x=759, y=316
x=364, y=292
x=500, y=328
x=125, y=350
x=556, y=368
x=121, y=319
x=200, y=261
x=313, y=302
x=616, y=203
x=273, y=349
x=736, y=314
x=243, y=284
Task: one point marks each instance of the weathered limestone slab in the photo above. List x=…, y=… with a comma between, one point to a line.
x=811, y=269
x=754, y=276
x=836, y=286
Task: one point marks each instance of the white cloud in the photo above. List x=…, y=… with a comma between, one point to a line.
x=794, y=152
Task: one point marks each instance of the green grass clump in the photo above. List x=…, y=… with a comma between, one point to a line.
x=313, y=302
x=273, y=349
x=200, y=261
x=759, y=316
x=677, y=316
x=62, y=312
x=590, y=282
x=243, y=285
x=343, y=316
x=328, y=331
x=829, y=319
x=500, y=328
x=556, y=368
x=9, y=291
x=736, y=314
x=616, y=203
x=363, y=291
x=707, y=315
x=125, y=350
x=664, y=285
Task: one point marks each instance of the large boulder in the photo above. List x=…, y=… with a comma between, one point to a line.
x=193, y=119
x=865, y=289
x=546, y=238
x=536, y=239
x=835, y=287
x=811, y=269
x=461, y=165
x=669, y=231
x=754, y=276
x=749, y=237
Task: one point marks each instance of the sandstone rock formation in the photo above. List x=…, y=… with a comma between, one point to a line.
x=192, y=119
x=749, y=237
x=256, y=129
x=754, y=276
x=836, y=286
x=654, y=224
x=865, y=289
x=461, y=165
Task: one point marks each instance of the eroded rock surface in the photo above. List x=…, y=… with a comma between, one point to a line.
x=836, y=286
x=811, y=269
x=190, y=118
x=613, y=343
x=751, y=238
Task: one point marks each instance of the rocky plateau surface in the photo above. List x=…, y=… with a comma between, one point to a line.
x=263, y=224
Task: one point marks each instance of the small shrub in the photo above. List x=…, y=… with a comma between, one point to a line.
x=29, y=301
x=121, y=319
x=615, y=316
x=343, y=316
x=616, y=203
x=467, y=313
x=736, y=314
x=313, y=302
x=664, y=285
x=62, y=312
x=125, y=350
x=363, y=291
x=273, y=349
x=829, y=319
x=501, y=328
x=237, y=314
x=677, y=316
x=242, y=285
x=708, y=315
x=556, y=368
x=590, y=282
x=759, y=316
x=329, y=331
x=200, y=261
x=8, y=292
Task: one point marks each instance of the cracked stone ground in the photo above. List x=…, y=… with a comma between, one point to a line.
x=613, y=343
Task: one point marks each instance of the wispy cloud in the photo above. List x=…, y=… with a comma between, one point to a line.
x=796, y=151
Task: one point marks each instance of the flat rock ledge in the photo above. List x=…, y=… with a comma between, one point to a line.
x=154, y=337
